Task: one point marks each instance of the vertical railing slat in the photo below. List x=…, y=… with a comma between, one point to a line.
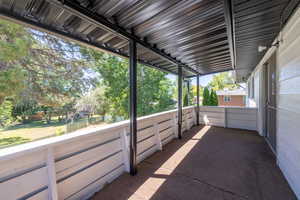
x=125, y=149
x=52, y=186
x=157, y=136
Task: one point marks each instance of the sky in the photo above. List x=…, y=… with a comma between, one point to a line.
x=204, y=80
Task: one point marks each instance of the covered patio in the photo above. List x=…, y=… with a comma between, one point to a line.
x=133, y=159
x=208, y=163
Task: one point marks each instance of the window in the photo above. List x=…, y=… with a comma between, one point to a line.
x=227, y=98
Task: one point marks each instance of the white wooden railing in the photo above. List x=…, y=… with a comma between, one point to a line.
x=76, y=165
x=229, y=117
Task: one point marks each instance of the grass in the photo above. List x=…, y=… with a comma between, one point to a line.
x=4, y=142
x=22, y=133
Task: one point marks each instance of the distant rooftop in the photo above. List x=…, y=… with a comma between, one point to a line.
x=232, y=92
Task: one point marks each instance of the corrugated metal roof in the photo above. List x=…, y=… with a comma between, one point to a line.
x=190, y=33
x=257, y=22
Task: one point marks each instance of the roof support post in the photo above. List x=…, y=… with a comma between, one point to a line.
x=188, y=91
x=179, y=104
x=198, y=102
x=133, y=105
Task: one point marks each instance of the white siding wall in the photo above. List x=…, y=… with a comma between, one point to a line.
x=288, y=103
x=288, y=100
x=256, y=101
x=230, y=117
x=243, y=118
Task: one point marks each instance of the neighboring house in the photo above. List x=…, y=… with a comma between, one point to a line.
x=232, y=97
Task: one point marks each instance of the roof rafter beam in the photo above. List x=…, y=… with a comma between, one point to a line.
x=96, y=19
x=229, y=20
x=48, y=29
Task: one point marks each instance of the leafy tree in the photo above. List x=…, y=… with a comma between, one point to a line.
x=154, y=89
x=43, y=60
x=222, y=80
x=194, y=90
x=11, y=82
x=24, y=108
x=45, y=68
x=6, y=109
x=206, y=97
x=213, y=98
x=63, y=111
x=42, y=72
x=93, y=103
x=188, y=98
x=13, y=46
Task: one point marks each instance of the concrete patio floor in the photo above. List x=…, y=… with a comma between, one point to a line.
x=210, y=163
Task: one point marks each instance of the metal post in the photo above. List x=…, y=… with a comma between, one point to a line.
x=179, y=100
x=133, y=106
x=188, y=91
x=198, y=102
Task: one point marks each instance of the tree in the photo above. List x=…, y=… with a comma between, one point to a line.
x=222, y=80
x=194, y=90
x=93, y=103
x=53, y=75
x=153, y=88
x=213, y=98
x=38, y=66
x=185, y=100
x=6, y=109
x=24, y=108
x=13, y=46
x=206, y=97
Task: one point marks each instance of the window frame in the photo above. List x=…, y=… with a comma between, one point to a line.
x=227, y=98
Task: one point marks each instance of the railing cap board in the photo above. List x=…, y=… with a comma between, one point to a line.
x=230, y=107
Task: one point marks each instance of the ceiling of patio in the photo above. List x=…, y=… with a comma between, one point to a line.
x=257, y=22
x=194, y=34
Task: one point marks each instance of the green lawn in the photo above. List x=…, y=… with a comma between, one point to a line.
x=22, y=133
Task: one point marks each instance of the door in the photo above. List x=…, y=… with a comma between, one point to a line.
x=271, y=101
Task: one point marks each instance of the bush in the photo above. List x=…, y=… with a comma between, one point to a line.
x=6, y=113
x=213, y=98
x=210, y=98
x=206, y=97
x=60, y=131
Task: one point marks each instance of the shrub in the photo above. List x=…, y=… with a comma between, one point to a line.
x=59, y=131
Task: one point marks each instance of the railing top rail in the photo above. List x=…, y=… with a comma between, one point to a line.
x=230, y=107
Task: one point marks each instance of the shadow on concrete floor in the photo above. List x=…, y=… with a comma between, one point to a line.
x=209, y=163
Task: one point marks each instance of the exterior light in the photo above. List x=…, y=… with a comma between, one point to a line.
x=261, y=48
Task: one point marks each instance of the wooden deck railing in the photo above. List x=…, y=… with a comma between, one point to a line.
x=76, y=165
x=229, y=117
